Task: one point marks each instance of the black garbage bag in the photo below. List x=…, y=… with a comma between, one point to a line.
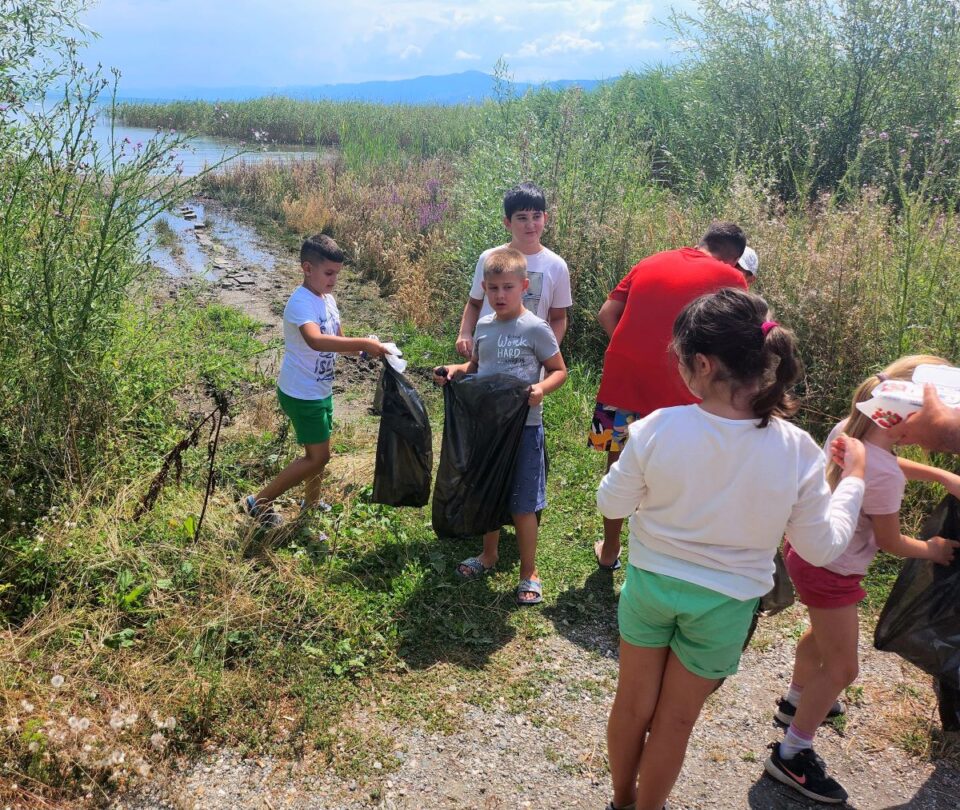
x=483, y=424
x=921, y=619
x=781, y=595
x=404, y=444
x=949, y=699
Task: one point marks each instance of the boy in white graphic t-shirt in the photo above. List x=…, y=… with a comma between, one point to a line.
x=312, y=339
x=548, y=296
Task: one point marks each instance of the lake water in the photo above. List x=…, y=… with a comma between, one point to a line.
x=206, y=150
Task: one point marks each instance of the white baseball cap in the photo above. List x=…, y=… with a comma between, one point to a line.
x=749, y=262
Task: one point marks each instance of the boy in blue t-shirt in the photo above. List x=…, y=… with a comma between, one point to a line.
x=514, y=341
x=312, y=339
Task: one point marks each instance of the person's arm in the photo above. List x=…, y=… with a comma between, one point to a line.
x=821, y=524
x=320, y=342
x=557, y=318
x=886, y=530
x=935, y=426
x=622, y=488
x=610, y=314
x=555, y=377
x=449, y=372
x=468, y=322
x=914, y=471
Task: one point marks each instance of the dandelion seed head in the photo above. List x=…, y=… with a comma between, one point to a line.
x=117, y=757
x=57, y=681
x=27, y=706
x=157, y=740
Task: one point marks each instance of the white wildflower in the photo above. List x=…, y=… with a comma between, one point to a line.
x=13, y=725
x=26, y=705
x=131, y=718
x=78, y=724
x=143, y=769
x=33, y=747
x=117, y=757
x=11, y=493
x=116, y=721
x=57, y=681
x=157, y=740
x=170, y=723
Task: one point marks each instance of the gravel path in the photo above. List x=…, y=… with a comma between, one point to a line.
x=554, y=753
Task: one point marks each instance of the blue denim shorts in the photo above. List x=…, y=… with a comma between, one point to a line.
x=529, y=491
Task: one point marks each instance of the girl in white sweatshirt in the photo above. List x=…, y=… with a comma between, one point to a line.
x=710, y=489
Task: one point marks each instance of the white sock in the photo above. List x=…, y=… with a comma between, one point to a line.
x=794, y=742
x=793, y=694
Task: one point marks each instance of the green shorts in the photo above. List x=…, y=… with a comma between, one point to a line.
x=312, y=418
x=704, y=628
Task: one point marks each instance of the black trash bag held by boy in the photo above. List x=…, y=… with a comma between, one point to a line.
x=404, y=444
x=921, y=619
x=483, y=423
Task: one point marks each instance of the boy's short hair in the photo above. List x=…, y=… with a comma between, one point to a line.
x=524, y=197
x=505, y=260
x=724, y=241
x=318, y=247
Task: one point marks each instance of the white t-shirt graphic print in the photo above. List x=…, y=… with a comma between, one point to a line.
x=304, y=372
x=549, y=283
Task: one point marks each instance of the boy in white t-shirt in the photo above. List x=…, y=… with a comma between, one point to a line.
x=548, y=296
x=312, y=339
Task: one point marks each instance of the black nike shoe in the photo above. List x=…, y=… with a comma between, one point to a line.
x=807, y=774
x=786, y=710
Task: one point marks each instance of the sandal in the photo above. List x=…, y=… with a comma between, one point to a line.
x=264, y=515
x=533, y=586
x=614, y=566
x=475, y=568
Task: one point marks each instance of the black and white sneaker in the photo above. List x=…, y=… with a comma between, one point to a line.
x=807, y=774
x=786, y=711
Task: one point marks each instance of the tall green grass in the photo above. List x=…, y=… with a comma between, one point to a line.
x=364, y=132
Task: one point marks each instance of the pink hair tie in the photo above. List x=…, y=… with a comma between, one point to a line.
x=766, y=326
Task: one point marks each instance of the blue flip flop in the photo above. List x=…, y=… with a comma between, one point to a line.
x=614, y=566
x=533, y=586
x=475, y=567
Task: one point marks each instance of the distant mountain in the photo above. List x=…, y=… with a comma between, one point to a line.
x=471, y=86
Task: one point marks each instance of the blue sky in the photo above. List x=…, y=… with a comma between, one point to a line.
x=214, y=43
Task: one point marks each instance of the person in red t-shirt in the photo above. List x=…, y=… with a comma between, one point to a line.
x=639, y=371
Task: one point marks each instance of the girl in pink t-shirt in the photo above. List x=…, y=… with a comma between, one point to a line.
x=826, y=658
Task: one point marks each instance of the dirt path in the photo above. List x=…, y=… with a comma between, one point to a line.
x=545, y=746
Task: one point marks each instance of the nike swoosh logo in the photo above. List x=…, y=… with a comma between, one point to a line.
x=800, y=779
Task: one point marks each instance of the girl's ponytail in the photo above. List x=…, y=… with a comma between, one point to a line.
x=756, y=353
x=783, y=369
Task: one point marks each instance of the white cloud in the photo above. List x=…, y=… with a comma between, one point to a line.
x=465, y=56
x=410, y=50
x=564, y=42
x=636, y=17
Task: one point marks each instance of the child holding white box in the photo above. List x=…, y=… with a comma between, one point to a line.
x=826, y=658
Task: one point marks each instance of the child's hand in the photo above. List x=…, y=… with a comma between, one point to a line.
x=536, y=396
x=941, y=550
x=849, y=454
x=465, y=346
x=441, y=376
x=374, y=348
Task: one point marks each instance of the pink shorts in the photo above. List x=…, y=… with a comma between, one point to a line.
x=820, y=588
